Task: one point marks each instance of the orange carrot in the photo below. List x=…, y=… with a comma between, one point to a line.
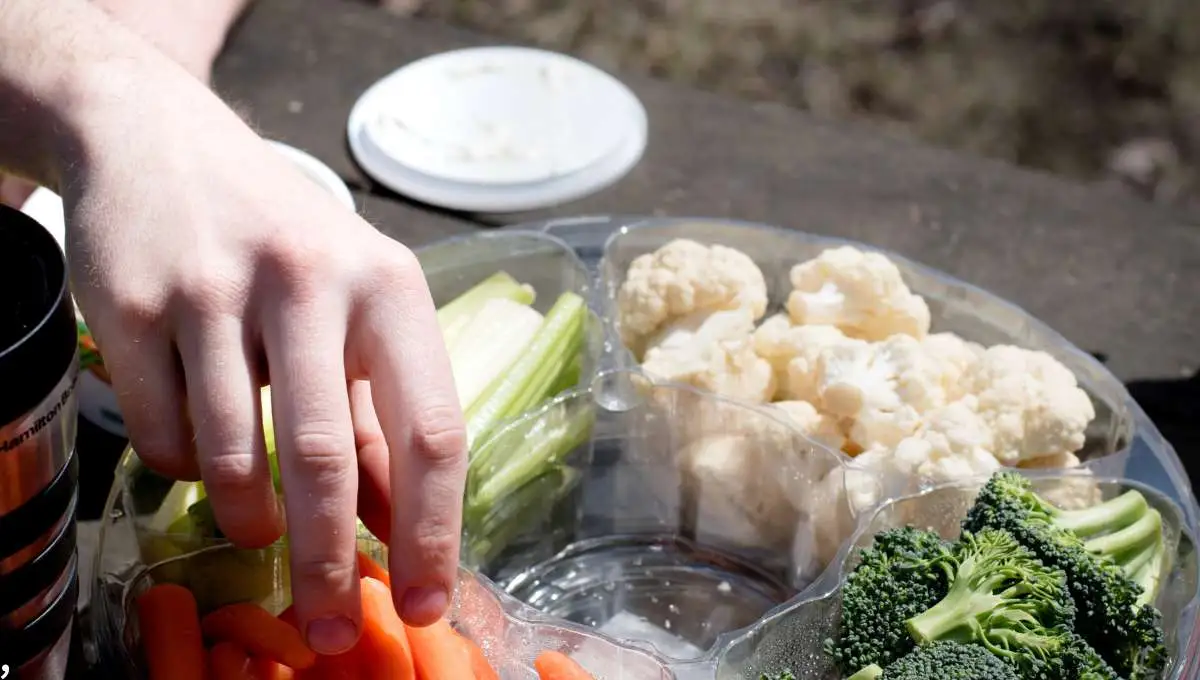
x=479, y=664
x=336, y=667
x=262, y=668
x=438, y=652
x=553, y=665
x=171, y=639
x=383, y=649
x=255, y=630
x=289, y=616
x=369, y=568
x=227, y=661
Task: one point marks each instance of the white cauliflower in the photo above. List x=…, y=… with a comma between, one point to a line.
x=1070, y=493
x=862, y=293
x=738, y=496
x=861, y=382
x=952, y=443
x=954, y=357
x=683, y=277
x=702, y=328
x=821, y=428
x=728, y=367
x=1031, y=402
x=830, y=506
x=793, y=352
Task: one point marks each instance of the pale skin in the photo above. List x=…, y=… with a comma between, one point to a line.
x=207, y=267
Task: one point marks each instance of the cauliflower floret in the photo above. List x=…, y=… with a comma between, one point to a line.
x=702, y=328
x=738, y=497
x=1071, y=493
x=728, y=367
x=862, y=293
x=954, y=357
x=831, y=505
x=821, y=428
x=793, y=352
x=952, y=444
x=683, y=277
x=859, y=382
x=1031, y=402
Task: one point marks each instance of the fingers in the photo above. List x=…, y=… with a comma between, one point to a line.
x=374, y=485
x=305, y=344
x=226, y=413
x=147, y=379
x=417, y=405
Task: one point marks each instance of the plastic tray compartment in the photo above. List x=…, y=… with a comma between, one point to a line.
x=1121, y=440
x=510, y=633
x=792, y=638
x=451, y=267
x=669, y=526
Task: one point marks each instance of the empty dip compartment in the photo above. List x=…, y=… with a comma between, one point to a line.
x=666, y=520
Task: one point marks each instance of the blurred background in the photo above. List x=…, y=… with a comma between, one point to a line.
x=1098, y=90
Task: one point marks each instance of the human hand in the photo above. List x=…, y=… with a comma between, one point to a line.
x=206, y=266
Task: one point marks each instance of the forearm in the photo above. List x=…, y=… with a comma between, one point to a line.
x=62, y=61
x=192, y=32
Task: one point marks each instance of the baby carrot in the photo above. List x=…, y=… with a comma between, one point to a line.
x=383, y=649
x=262, y=668
x=255, y=630
x=368, y=567
x=227, y=661
x=552, y=665
x=438, y=652
x=336, y=667
x=171, y=639
x=479, y=664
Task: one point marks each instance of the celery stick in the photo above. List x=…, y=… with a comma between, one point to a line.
x=454, y=315
x=570, y=376
x=521, y=513
x=489, y=343
x=525, y=383
x=536, y=455
x=180, y=497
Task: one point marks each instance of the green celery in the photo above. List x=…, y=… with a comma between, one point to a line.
x=528, y=380
x=456, y=314
x=547, y=450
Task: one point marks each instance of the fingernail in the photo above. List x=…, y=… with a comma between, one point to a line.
x=424, y=605
x=331, y=636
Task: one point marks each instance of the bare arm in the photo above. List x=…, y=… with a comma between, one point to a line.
x=192, y=32
x=206, y=266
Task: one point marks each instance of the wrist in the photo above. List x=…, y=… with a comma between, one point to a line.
x=49, y=106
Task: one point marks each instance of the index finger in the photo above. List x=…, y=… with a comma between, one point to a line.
x=413, y=390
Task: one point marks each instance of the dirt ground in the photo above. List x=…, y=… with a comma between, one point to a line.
x=1093, y=89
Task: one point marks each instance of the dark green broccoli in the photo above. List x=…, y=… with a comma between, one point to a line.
x=950, y=661
x=1002, y=598
x=1097, y=548
x=891, y=584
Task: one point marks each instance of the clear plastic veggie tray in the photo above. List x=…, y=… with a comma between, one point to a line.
x=677, y=533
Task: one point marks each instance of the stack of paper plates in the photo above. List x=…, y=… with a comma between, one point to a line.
x=497, y=129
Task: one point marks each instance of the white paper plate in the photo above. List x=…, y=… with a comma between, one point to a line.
x=497, y=129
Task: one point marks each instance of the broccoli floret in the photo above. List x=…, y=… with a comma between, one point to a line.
x=784, y=675
x=1110, y=606
x=1003, y=598
x=950, y=661
x=891, y=584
